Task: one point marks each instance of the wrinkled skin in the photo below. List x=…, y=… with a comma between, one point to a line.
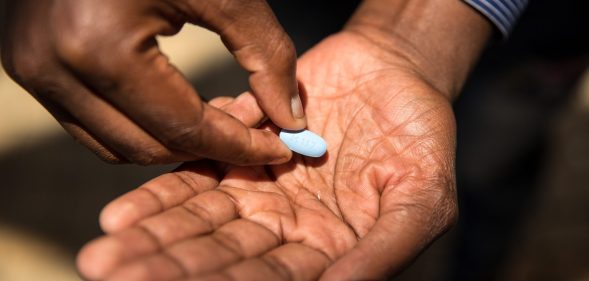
x=383, y=192
x=96, y=66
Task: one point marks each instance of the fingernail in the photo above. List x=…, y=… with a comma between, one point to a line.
x=297, y=107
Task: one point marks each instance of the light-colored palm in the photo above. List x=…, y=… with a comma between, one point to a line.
x=381, y=194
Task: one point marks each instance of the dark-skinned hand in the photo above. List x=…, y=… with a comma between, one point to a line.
x=383, y=192
x=96, y=66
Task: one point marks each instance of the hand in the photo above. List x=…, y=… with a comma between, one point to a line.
x=383, y=192
x=96, y=66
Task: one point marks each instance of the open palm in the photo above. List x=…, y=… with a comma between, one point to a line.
x=382, y=193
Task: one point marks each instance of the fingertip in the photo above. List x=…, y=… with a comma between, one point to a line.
x=108, y=220
x=298, y=108
x=295, y=124
x=271, y=128
x=298, y=124
x=279, y=97
x=98, y=258
x=134, y=271
x=121, y=213
x=294, y=119
x=266, y=149
x=282, y=159
x=283, y=153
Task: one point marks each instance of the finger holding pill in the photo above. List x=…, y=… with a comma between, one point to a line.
x=304, y=142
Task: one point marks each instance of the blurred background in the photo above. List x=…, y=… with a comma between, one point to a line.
x=522, y=165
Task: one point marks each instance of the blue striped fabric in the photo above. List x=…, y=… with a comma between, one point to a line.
x=502, y=13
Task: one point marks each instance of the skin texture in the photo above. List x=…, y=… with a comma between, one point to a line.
x=441, y=40
x=379, y=92
x=383, y=192
x=96, y=66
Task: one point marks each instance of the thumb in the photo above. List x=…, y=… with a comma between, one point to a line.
x=260, y=45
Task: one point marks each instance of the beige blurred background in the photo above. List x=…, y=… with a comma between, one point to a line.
x=52, y=189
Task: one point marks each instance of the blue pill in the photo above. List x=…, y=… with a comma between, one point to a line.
x=304, y=142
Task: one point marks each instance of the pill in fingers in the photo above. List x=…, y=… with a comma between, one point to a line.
x=304, y=142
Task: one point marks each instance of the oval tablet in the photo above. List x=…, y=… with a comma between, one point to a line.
x=304, y=142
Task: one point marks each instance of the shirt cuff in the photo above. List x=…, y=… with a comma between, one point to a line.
x=502, y=13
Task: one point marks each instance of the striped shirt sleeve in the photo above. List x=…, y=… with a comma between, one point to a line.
x=502, y=13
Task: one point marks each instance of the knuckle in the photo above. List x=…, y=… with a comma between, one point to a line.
x=288, y=49
x=78, y=38
x=279, y=54
x=25, y=69
x=82, y=48
x=92, y=48
x=243, y=155
x=140, y=154
x=25, y=72
x=284, y=53
x=96, y=56
x=186, y=132
x=110, y=158
x=143, y=159
x=10, y=59
x=183, y=137
x=75, y=48
x=147, y=155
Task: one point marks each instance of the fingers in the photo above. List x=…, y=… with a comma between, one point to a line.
x=112, y=137
x=77, y=130
x=98, y=258
x=125, y=99
x=158, y=195
x=191, y=127
x=289, y=262
x=202, y=214
x=139, y=82
x=198, y=216
x=228, y=245
x=245, y=108
x=232, y=142
x=240, y=250
x=96, y=123
x=252, y=33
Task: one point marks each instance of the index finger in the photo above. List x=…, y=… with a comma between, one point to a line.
x=127, y=69
x=260, y=45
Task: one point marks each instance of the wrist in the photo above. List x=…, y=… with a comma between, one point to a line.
x=440, y=40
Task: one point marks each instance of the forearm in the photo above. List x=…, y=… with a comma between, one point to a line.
x=442, y=40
